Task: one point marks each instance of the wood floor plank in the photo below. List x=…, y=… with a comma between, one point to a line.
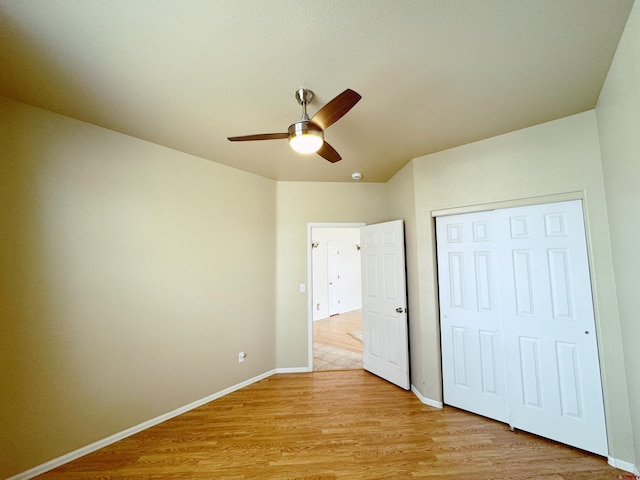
x=332, y=425
x=336, y=331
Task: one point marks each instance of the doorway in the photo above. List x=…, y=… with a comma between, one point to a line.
x=335, y=296
x=337, y=342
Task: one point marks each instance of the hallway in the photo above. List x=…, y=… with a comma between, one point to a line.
x=337, y=342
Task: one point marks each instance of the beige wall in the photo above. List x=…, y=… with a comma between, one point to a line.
x=618, y=114
x=401, y=204
x=298, y=204
x=131, y=276
x=553, y=158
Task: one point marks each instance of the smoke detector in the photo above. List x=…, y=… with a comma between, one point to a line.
x=356, y=176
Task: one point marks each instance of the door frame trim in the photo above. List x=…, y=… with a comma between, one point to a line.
x=516, y=202
x=310, y=227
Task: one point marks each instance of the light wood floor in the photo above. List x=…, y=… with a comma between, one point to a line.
x=332, y=425
x=337, y=342
x=336, y=330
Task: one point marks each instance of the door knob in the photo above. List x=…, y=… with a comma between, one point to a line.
x=401, y=310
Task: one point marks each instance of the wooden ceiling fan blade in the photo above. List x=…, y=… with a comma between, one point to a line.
x=329, y=153
x=260, y=136
x=336, y=109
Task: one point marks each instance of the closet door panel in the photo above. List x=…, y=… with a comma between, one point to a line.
x=472, y=346
x=553, y=373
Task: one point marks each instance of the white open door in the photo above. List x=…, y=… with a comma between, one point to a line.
x=384, y=302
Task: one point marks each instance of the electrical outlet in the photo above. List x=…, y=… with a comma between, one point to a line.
x=241, y=357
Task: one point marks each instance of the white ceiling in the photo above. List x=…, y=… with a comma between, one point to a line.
x=186, y=74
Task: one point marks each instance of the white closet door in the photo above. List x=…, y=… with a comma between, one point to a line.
x=472, y=345
x=549, y=327
x=516, y=315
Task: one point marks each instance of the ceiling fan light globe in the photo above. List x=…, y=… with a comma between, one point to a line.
x=306, y=143
x=305, y=138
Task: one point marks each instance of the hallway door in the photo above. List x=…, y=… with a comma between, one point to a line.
x=384, y=302
x=333, y=276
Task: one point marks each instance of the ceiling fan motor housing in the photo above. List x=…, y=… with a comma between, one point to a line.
x=305, y=137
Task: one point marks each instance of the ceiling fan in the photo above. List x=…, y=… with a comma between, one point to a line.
x=307, y=134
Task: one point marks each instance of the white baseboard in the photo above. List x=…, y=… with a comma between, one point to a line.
x=425, y=400
x=57, y=462
x=293, y=370
x=622, y=465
